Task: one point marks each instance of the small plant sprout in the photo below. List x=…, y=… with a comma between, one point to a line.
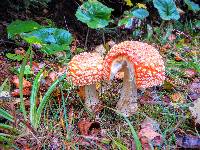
x=86, y=70
x=143, y=67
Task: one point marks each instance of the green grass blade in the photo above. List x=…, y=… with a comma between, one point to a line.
x=45, y=98
x=34, y=91
x=6, y=115
x=134, y=134
x=7, y=127
x=3, y=84
x=21, y=75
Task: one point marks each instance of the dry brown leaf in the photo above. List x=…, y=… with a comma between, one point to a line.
x=149, y=135
x=15, y=81
x=195, y=110
x=177, y=97
x=86, y=127
x=26, y=92
x=190, y=73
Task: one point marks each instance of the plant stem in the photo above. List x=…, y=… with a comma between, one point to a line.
x=21, y=75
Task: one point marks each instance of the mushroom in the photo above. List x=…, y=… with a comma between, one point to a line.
x=142, y=66
x=86, y=70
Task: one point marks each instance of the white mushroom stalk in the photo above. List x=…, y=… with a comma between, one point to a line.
x=142, y=66
x=91, y=96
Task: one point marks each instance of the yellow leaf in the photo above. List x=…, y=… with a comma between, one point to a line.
x=128, y=3
x=140, y=5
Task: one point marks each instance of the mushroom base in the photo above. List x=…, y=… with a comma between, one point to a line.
x=91, y=97
x=128, y=99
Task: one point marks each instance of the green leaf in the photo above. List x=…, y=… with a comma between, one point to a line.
x=52, y=40
x=127, y=21
x=14, y=56
x=94, y=14
x=27, y=70
x=19, y=26
x=167, y=9
x=33, y=100
x=140, y=13
x=46, y=98
x=192, y=6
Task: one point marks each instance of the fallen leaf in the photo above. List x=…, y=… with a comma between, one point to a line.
x=177, y=57
x=19, y=51
x=81, y=92
x=15, y=81
x=149, y=134
x=177, y=97
x=195, y=110
x=172, y=37
x=188, y=141
x=87, y=127
x=190, y=73
x=26, y=92
x=194, y=90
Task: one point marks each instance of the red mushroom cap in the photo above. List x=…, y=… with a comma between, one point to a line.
x=85, y=69
x=148, y=64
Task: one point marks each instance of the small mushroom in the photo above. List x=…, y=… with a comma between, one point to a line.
x=142, y=66
x=86, y=70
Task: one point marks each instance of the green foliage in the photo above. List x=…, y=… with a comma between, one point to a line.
x=33, y=99
x=17, y=27
x=46, y=98
x=167, y=9
x=6, y=115
x=140, y=13
x=192, y=6
x=27, y=70
x=14, y=56
x=128, y=16
x=52, y=40
x=94, y=14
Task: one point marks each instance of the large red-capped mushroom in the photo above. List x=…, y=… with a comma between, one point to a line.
x=86, y=70
x=142, y=66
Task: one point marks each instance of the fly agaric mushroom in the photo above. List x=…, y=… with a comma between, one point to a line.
x=142, y=66
x=86, y=70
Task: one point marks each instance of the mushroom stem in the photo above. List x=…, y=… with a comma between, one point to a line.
x=91, y=96
x=128, y=99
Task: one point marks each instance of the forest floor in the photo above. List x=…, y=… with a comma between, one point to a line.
x=172, y=110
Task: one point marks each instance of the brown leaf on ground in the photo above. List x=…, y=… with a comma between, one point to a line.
x=195, y=110
x=188, y=141
x=86, y=127
x=177, y=57
x=149, y=135
x=194, y=90
x=19, y=51
x=177, y=97
x=172, y=37
x=26, y=92
x=190, y=73
x=15, y=81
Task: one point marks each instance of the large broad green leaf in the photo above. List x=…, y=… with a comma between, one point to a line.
x=167, y=9
x=19, y=26
x=52, y=40
x=192, y=6
x=140, y=13
x=127, y=21
x=94, y=14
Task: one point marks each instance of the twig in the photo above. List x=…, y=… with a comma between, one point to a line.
x=86, y=39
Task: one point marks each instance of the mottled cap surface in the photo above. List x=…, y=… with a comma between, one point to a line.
x=85, y=69
x=147, y=62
